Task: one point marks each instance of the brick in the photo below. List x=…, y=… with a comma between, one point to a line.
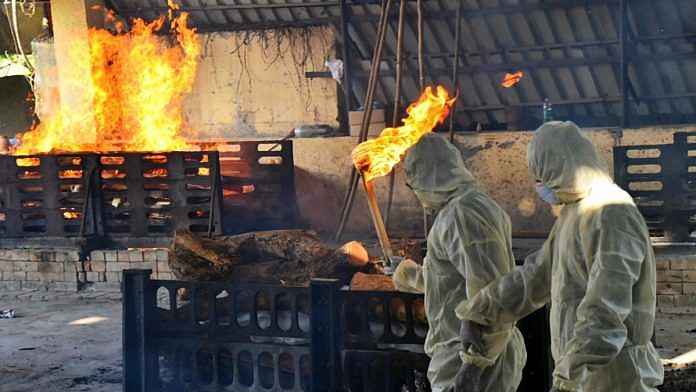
x=149, y=265
x=107, y=286
x=42, y=286
x=669, y=288
x=669, y=276
x=62, y=286
x=50, y=266
x=50, y=276
x=97, y=255
x=685, y=300
x=162, y=255
x=689, y=288
x=662, y=265
x=34, y=276
x=98, y=266
x=123, y=255
x=149, y=255
x=665, y=300
x=111, y=256
x=689, y=276
x=163, y=266
x=26, y=266
x=70, y=255
x=165, y=276
x=7, y=285
x=18, y=255
x=95, y=276
x=19, y=275
x=70, y=276
x=117, y=266
x=113, y=276
x=135, y=256
x=6, y=266
x=683, y=264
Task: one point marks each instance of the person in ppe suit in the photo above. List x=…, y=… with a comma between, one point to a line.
x=468, y=247
x=597, y=269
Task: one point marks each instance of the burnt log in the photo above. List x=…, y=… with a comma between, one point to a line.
x=274, y=257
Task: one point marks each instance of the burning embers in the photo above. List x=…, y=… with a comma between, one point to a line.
x=136, y=89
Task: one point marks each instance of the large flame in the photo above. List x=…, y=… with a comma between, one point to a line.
x=136, y=88
x=376, y=157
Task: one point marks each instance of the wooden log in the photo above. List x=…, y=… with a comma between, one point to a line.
x=285, y=257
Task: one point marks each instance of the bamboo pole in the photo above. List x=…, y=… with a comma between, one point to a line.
x=384, y=242
x=421, y=61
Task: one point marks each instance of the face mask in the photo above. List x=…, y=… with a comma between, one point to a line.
x=546, y=193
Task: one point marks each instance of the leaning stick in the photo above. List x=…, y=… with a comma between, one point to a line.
x=384, y=242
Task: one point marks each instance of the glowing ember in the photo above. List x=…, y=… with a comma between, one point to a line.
x=137, y=86
x=203, y=171
x=377, y=157
x=69, y=215
x=152, y=173
x=70, y=174
x=512, y=79
x=28, y=162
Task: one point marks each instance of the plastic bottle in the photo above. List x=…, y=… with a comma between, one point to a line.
x=547, y=111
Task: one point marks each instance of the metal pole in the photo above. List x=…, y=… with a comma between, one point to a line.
x=135, y=336
x=455, y=68
x=347, y=70
x=623, y=34
x=421, y=65
x=382, y=235
x=397, y=100
x=325, y=348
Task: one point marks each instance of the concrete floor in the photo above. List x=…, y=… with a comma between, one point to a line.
x=72, y=342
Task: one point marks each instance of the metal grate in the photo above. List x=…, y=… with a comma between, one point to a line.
x=133, y=196
x=661, y=179
x=47, y=195
x=259, y=186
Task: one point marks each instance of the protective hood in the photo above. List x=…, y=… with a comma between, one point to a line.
x=435, y=170
x=566, y=161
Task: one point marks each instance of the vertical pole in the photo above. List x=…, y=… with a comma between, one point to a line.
x=135, y=339
x=397, y=99
x=347, y=66
x=623, y=36
x=325, y=330
x=455, y=69
x=421, y=61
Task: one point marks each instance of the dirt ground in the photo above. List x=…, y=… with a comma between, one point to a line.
x=72, y=342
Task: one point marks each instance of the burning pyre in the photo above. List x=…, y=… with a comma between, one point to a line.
x=137, y=85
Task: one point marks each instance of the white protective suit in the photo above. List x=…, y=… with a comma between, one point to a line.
x=597, y=269
x=468, y=247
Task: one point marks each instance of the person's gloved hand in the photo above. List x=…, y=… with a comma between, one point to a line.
x=466, y=380
x=394, y=262
x=554, y=389
x=407, y=277
x=470, y=333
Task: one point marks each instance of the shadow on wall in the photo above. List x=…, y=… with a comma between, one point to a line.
x=15, y=107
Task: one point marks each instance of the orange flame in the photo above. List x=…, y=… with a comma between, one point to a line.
x=136, y=89
x=376, y=157
x=512, y=79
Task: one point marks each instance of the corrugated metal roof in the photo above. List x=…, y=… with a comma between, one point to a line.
x=569, y=50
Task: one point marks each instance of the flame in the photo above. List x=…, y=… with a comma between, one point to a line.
x=376, y=157
x=69, y=215
x=28, y=162
x=512, y=79
x=153, y=173
x=203, y=171
x=137, y=85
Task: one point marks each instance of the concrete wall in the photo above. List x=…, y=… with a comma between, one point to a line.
x=249, y=86
x=246, y=85
x=497, y=160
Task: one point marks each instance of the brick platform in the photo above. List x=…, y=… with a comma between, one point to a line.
x=62, y=270
x=676, y=280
